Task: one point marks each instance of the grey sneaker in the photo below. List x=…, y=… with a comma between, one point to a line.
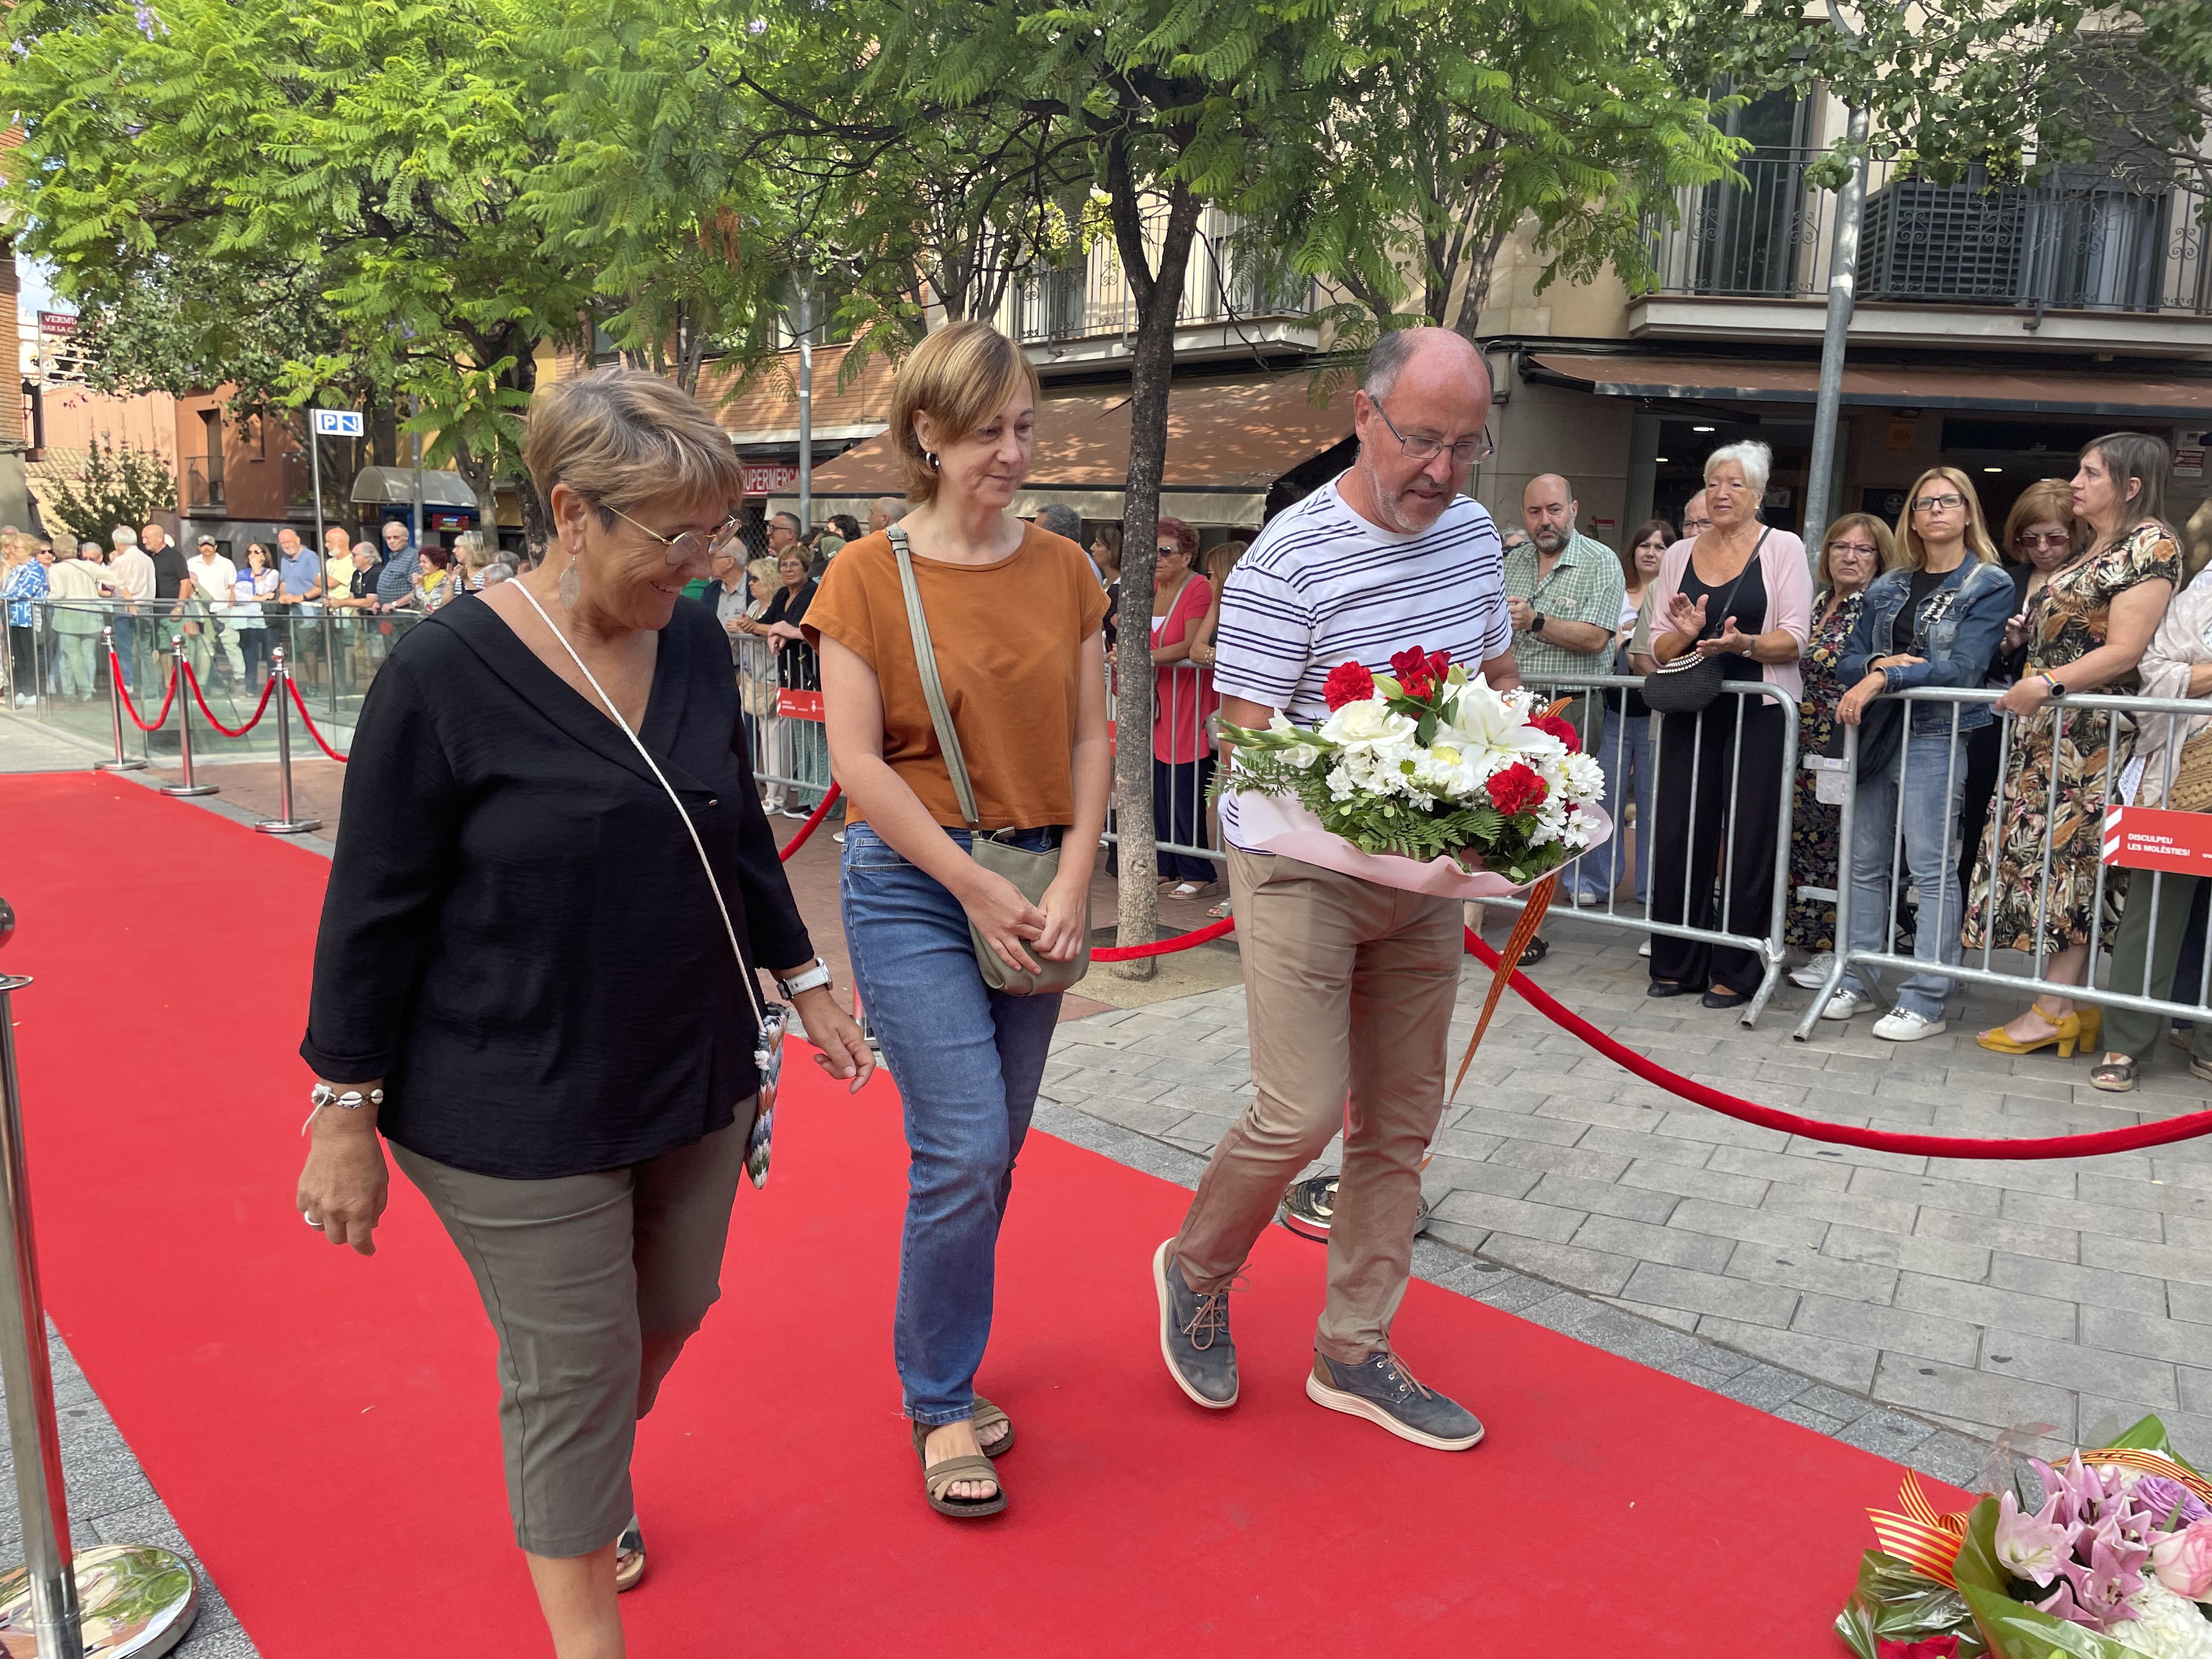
x=1381, y=1389
x=1194, y=1335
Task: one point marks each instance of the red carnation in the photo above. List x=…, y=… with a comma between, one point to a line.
x=1348, y=682
x=1560, y=727
x=1518, y=790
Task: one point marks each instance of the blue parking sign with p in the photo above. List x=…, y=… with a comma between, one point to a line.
x=338, y=423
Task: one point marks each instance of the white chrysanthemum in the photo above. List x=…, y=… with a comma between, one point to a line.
x=2165, y=1625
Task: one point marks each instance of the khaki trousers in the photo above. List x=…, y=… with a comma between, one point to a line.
x=1349, y=988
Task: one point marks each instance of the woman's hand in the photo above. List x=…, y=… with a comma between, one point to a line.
x=1006, y=920
x=1068, y=919
x=843, y=1052
x=344, y=1187
x=2015, y=634
x=2024, y=697
x=1685, y=615
x=1852, y=707
x=1730, y=641
x=785, y=632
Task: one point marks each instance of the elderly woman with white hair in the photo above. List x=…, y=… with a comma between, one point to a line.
x=536, y=973
x=1740, y=592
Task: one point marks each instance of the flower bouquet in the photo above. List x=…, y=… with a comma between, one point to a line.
x=1423, y=778
x=2116, y=1563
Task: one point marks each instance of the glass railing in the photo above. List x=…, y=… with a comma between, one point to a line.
x=334, y=655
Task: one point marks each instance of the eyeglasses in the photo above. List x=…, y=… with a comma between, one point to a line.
x=1867, y=547
x=1937, y=503
x=1691, y=526
x=1466, y=452
x=691, y=544
x=2029, y=538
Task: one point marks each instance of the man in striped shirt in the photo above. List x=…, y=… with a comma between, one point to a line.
x=1349, y=986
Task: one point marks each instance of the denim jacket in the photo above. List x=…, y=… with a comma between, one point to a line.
x=1961, y=625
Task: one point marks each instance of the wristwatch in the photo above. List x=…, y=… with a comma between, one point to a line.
x=806, y=980
x=1535, y=621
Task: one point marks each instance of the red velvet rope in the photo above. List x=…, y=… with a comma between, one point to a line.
x=2133, y=1138
x=115, y=671
x=307, y=721
x=1165, y=946
x=812, y=823
x=253, y=719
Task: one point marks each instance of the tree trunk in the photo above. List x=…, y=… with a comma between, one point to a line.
x=1151, y=371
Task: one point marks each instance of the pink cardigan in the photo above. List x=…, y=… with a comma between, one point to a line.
x=1789, y=583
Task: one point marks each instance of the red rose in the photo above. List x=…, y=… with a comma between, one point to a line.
x=1517, y=790
x=1932, y=1647
x=1412, y=668
x=1348, y=682
x=1561, y=728
x=1439, y=665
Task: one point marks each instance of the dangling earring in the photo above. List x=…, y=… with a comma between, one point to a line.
x=571, y=585
x=929, y=459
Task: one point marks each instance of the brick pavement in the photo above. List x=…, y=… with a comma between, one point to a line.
x=1976, y=1296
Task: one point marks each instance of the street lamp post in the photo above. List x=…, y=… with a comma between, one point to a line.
x=1842, y=289
x=805, y=407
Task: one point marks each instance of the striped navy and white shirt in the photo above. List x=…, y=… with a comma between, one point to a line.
x=1321, y=586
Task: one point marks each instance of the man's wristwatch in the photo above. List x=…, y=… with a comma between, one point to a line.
x=806, y=980
x=351, y=1100
x=1535, y=621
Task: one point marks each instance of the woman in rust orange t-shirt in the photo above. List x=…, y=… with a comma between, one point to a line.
x=1013, y=615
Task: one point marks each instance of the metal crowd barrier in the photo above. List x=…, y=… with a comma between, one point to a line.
x=1603, y=867
x=2175, y=846
x=118, y=1602
x=787, y=741
x=1176, y=718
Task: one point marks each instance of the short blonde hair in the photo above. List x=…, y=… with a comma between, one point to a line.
x=762, y=569
x=960, y=377
x=470, y=548
x=620, y=437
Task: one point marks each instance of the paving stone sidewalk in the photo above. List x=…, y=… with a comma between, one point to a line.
x=1978, y=1297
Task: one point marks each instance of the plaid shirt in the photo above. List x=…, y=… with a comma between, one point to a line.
x=1585, y=586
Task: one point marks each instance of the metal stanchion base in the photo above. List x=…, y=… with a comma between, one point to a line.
x=120, y=766
x=287, y=826
x=137, y=1603
x=190, y=789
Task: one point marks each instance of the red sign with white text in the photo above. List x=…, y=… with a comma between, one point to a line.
x=2146, y=838
x=766, y=477
x=799, y=705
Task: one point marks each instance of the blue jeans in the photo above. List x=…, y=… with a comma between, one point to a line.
x=1934, y=777
x=967, y=1060
x=1624, y=753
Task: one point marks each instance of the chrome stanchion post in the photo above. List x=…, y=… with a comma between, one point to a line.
x=284, y=823
x=145, y=1598
x=122, y=763
x=178, y=668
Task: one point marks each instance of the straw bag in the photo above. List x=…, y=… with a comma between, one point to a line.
x=2191, y=791
x=1030, y=872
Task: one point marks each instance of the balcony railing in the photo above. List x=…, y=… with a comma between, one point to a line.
x=2080, y=241
x=1090, y=298
x=202, y=488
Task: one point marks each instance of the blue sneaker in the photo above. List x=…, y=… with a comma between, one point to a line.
x=1194, y=1335
x=1381, y=1389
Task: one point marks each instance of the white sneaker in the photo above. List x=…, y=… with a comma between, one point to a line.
x=839, y=838
x=1644, y=949
x=1845, y=1005
x=1583, y=901
x=1903, y=1025
x=1815, y=974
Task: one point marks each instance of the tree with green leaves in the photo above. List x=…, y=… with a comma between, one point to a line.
x=117, y=484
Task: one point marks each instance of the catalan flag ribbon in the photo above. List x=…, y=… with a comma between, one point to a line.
x=1926, y=1541
x=2151, y=1462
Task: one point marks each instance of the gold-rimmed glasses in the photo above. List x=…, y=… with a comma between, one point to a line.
x=684, y=548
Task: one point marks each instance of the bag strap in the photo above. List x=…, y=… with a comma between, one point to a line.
x=1757, y=548
x=932, y=688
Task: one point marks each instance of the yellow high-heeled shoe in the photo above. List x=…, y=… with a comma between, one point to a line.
x=2069, y=1036
x=2092, y=1027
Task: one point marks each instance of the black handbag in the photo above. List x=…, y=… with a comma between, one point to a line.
x=1688, y=684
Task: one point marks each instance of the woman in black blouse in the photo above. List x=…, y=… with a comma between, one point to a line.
x=526, y=982
x=798, y=669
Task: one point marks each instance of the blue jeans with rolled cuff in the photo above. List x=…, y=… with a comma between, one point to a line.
x=967, y=1060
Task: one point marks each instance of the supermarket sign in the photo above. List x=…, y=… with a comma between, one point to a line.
x=2147, y=838
x=766, y=477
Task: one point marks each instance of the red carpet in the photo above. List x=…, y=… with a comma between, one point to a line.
x=322, y=1426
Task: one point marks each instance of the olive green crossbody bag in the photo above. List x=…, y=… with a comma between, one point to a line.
x=1030, y=872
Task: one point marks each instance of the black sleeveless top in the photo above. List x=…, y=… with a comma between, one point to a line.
x=1747, y=605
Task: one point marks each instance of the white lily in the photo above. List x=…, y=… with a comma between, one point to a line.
x=1491, y=731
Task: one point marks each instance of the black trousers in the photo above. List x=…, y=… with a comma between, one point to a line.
x=19, y=647
x=1975, y=795
x=1179, y=815
x=1695, y=818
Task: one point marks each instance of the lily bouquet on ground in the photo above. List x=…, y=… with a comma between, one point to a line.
x=2115, y=1563
x=1427, y=762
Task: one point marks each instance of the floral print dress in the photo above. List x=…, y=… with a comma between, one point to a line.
x=2066, y=621
x=1814, y=858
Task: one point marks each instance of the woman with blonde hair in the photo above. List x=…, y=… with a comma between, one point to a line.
x=758, y=685
x=1857, y=548
x=1935, y=619
x=987, y=723
x=2086, y=631
x=536, y=972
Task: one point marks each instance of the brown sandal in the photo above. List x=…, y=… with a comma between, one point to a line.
x=937, y=1479
x=986, y=1415
x=2114, y=1076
